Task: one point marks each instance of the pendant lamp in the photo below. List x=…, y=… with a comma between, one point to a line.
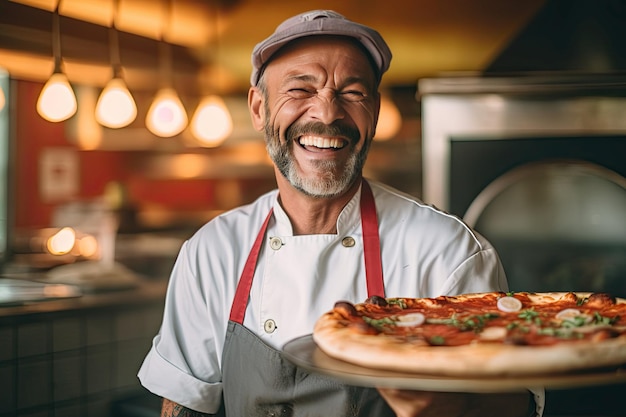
x=57, y=101
x=3, y=99
x=116, y=107
x=3, y=96
x=212, y=124
x=166, y=116
x=389, y=120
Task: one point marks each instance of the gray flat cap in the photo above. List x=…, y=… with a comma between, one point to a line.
x=320, y=22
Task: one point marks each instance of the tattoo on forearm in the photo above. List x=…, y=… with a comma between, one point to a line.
x=171, y=409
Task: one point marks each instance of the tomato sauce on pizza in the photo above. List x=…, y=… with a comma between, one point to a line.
x=560, y=331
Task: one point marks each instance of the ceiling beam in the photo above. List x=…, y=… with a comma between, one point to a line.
x=26, y=37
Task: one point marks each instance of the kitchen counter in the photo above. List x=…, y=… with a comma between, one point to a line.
x=78, y=355
x=145, y=292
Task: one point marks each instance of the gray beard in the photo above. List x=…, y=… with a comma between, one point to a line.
x=331, y=180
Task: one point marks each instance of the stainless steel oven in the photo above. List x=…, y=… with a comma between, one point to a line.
x=538, y=166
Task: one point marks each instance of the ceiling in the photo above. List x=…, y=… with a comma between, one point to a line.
x=427, y=37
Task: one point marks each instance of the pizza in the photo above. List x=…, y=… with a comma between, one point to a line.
x=482, y=334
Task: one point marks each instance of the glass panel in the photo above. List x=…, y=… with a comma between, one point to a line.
x=558, y=226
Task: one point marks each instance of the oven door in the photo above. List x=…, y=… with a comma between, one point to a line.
x=558, y=226
x=538, y=166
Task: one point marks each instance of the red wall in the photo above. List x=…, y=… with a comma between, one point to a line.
x=32, y=135
x=182, y=197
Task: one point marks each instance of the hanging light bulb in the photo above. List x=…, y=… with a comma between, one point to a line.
x=166, y=116
x=211, y=123
x=389, y=120
x=57, y=101
x=3, y=99
x=116, y=107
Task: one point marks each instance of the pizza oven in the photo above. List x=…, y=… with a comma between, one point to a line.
x=538, y=166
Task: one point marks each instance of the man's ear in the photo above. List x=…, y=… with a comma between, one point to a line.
x=256, y=108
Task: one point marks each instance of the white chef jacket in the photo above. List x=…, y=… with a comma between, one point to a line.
x=425, y=253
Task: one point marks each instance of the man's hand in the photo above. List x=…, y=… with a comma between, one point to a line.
x=406, y=403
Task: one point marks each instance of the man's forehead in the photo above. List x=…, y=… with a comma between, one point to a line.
x=344, y=50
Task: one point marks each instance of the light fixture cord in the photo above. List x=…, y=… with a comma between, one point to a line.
x=216, y=45
x=165, y=51
x=213, y=83
x=56, y=39
x=116, y=62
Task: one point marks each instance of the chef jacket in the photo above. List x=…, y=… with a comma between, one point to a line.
x=425, y=253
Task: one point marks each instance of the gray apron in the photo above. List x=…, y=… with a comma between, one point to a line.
x=259, y=381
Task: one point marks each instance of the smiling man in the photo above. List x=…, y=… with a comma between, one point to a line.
x=261, y=275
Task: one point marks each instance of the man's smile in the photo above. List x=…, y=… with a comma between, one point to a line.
x=322, y=142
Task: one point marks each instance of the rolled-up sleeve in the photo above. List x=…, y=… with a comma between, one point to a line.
x=184, y=362
x=166, y=380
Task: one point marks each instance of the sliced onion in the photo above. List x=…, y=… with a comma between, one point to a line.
x=410, y=320
x=509, y=304
x=569, y=314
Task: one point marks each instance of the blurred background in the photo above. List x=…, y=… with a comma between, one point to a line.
x=509, y=114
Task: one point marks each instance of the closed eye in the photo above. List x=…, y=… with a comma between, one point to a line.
x=353, y=95
x=300, y=93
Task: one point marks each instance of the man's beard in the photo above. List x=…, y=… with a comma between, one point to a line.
x=332, y=179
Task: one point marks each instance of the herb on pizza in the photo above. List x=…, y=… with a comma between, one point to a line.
x=483, y=334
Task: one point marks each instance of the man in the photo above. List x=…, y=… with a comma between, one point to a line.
x=260, y=275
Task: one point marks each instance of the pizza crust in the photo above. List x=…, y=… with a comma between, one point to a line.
x=382, y=351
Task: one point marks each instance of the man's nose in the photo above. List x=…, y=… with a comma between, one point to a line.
x=327, y=107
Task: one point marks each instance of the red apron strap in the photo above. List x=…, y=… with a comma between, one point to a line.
x=238, y=309
x=371, y=243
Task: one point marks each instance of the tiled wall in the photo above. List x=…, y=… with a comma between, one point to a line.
x=73, y=364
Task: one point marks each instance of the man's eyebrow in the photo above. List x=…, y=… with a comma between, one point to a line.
x=357, y=80
x=308, y=78
x=298, y=77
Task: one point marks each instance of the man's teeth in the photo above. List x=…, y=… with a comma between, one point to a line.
x=319, y=142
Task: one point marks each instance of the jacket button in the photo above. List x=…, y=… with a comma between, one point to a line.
x=348, y=242
x=269, y=326
x=275, y=243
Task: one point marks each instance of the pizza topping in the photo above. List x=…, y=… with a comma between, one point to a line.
x=437, y=340
x=345, y=308
x=600, y=300
x=529, y=319
x=410, y=320
x=600, y=319
x=397, y=302
x=474, y=322
x=531, y=323
x=378, y=324
x=530, y=315
x=377, y=300
x=509, y=304
x=573, y=317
